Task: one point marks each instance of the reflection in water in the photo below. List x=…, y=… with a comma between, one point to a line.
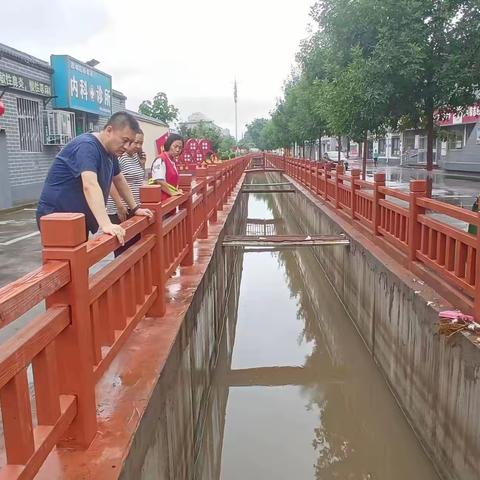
x=295, y=393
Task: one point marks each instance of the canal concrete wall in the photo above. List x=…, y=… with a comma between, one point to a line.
x=168, y=443
x=435, y=380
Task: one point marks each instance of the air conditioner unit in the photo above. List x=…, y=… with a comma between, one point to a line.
x=58, y=127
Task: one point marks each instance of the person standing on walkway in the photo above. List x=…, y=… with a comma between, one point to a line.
x=132, y=165
x=164, y=170
x=81, y=175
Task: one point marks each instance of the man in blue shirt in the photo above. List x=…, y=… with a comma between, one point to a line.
x=82, y=173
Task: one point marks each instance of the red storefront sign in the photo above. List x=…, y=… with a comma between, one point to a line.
x=472, y=115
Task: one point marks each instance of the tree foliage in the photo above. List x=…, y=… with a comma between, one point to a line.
x=370, y=65
x=159, y=108
x=254, y=135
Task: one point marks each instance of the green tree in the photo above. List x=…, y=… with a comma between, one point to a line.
x=431, y=57
x=254, y=133
x=424, y=55
x=159, y=108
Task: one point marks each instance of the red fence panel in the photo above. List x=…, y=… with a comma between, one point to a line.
x=89, y=317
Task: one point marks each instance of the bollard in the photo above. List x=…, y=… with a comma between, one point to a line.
x=150, y=197
x=378, y=181
x=64, y=238
x=418, y=188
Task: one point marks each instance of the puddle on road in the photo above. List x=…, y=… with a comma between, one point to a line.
x=302, y=397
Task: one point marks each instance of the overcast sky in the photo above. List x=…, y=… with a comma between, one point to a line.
x=191, y=50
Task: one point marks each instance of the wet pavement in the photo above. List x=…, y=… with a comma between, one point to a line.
x=20, y=249
x=304, y=398
x=456, y=188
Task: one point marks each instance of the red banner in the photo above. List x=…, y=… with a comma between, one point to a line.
x=472, y=115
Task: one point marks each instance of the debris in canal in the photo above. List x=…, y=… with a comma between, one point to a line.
x=454, y=321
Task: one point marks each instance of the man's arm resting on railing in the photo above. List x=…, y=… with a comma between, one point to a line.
x=95, y=200
x=124, y=191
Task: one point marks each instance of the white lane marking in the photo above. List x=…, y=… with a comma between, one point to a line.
x=19, y=239
x=30, y=209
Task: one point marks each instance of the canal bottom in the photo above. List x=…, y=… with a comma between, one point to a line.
x=297, y=395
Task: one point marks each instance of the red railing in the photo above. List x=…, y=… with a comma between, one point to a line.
x=89, y=317
x=422, y=233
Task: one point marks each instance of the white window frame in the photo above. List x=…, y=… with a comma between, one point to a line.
x=29, y=125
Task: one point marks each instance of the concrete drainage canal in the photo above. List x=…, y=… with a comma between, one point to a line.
x=269, y=378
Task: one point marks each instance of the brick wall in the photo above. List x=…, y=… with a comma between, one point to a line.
x=23, y=173
x=26, y=170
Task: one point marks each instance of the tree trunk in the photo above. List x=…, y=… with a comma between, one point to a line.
x=339, y=142
x=364, y=162
x=320, y=147
x=430, y=133
x=348, y=147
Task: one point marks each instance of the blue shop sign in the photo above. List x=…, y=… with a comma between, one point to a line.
x=80, y=87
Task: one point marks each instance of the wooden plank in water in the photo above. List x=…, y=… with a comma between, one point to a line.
x=266, y=221
x=277, y=184
x=283, y=240
x=268, y=190
x=261, y=170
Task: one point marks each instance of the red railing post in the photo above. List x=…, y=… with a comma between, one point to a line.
x=418, y=188
x=185, y=183
x=338, y=172
x=355, y=174
x=202, y=176
x=64, y=238
x=150, y=196
x=212, y=173
x=326, y=172
x=476, y=299
x=221, y=186
x=378, y=181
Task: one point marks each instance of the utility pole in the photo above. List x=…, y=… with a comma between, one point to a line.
x=235, y=98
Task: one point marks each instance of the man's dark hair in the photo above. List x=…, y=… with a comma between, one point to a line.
x=173, y=137
x=120, y=120
x=139, y=131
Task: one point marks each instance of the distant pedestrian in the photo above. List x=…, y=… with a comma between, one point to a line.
x=375, y=158
x=132, y=165
x=81, y=175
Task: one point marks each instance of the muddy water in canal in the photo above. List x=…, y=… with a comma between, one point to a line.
x=301, y=396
